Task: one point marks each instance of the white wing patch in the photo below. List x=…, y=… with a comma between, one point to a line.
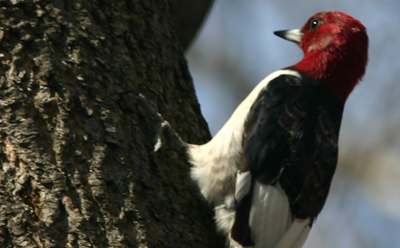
x=296, y=235
x=271, y=222
x=270, y=215
x=243, y=184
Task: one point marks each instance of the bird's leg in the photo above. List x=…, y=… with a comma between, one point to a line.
x=159, y=134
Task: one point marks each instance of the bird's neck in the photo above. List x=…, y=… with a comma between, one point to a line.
x=333, y=71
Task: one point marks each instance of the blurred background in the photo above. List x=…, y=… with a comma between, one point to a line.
x=236, y=49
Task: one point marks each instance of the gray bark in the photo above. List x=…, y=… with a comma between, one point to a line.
x=76, y=140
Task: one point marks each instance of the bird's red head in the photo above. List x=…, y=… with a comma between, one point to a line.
x=335, y=47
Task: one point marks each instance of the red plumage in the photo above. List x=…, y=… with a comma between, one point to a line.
x=335, y=51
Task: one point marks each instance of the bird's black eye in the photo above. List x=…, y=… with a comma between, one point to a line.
x=315, y=24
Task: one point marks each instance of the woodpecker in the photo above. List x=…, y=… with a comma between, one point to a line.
x=268, y=170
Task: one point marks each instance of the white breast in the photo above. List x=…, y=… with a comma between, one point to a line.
x=215, y=163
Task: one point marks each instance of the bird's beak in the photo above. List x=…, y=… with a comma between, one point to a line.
x=293, y=35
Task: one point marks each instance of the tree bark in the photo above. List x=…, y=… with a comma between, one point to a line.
x=76, y=140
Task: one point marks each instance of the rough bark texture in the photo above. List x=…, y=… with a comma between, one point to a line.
x=76, y=141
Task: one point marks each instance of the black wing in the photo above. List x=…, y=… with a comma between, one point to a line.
x=290, y=138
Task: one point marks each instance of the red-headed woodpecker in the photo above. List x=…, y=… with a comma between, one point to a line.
x=269, y=169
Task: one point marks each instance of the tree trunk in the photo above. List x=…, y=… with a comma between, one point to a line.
x=76, y=140
x=188, y=16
